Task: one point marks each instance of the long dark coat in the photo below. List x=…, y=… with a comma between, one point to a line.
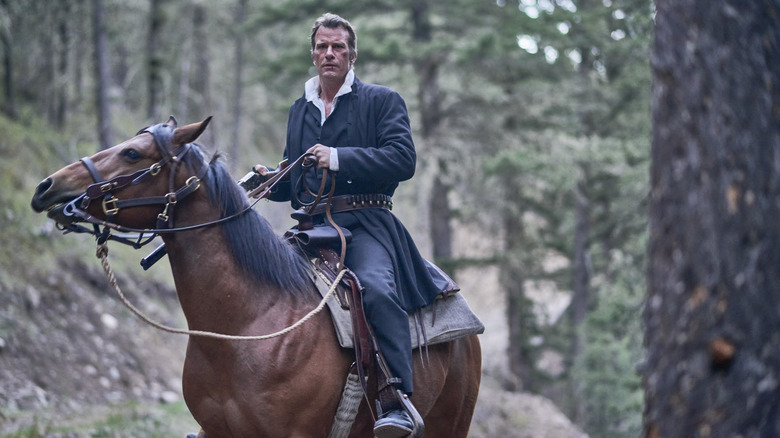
x=380, y=153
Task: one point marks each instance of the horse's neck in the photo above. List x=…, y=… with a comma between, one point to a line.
x=214, y=294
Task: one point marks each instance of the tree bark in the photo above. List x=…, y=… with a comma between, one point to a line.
x=519, y=309
x=185, y=69
x=102, y=81
x=238, y=82
x=154, y=61
x=712, y=318
x=9, y=106
x=580, y=298
x=61, y=78
x=581, y=290
x=201, y=77
x=429, y=97
x=80, y=42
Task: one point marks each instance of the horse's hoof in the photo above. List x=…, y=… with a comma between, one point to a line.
x=394, y=424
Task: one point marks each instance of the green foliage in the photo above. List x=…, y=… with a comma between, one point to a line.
x=607, y=376
x=581, y=121
x=607, y=379
x=25, y=150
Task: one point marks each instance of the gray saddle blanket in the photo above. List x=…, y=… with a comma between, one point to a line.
x=445, y=320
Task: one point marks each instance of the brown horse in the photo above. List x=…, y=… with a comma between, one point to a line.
x=238, y=277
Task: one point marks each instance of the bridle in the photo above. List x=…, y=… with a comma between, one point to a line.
x=105, y=192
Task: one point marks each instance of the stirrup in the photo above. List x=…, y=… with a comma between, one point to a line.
x=402, y=403
x=419, y=426
x=396, y=423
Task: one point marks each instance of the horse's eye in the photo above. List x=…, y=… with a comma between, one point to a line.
x=131, y=154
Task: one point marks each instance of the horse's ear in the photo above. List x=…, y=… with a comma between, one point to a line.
x=189, y=133
x=172, y=122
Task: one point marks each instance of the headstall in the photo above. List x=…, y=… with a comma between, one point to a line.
x=111, y=204
x=105, y=192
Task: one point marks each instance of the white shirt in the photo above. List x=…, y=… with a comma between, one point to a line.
x=312, y=92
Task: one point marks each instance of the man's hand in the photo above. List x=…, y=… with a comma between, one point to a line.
x=260, y=169
x=322, y=154
x=253, y=179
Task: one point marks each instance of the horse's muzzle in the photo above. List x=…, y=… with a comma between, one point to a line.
x=59, y=207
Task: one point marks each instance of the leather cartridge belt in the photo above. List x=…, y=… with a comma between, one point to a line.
x=353, y=202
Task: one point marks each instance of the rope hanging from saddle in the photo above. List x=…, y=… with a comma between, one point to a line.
x=102, y=254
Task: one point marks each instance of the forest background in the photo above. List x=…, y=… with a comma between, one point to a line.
x=531, y=121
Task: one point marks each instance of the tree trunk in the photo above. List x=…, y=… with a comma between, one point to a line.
x=154, y=61
x=102, y=75
x=238, y=83
x=429, y=96
x=519, y=309
x=201, y=78
x=581, y=291
x=80, y=52
x=580, y=298
x=578, y=309
x=61, y=78
x=712, y=319
x=185, y=70
x=439, y=216
x=9, y=106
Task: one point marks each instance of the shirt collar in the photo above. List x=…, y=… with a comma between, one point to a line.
x=312, y=87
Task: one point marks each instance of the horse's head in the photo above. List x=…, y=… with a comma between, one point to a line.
x=132, y=184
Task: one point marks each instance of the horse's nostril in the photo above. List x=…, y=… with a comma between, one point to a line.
x=43, y=186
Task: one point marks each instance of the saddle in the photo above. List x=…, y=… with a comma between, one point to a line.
x=319, y=244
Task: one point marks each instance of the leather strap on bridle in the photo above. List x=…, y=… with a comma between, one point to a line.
x=163, y=138
x=104, y=190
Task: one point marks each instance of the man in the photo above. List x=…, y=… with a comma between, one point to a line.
x=361, y=134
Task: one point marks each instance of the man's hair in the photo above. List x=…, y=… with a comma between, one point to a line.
x=334, y=21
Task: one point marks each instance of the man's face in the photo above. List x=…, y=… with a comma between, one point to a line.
x=331, y=53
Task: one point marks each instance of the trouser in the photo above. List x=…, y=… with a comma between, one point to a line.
x=367, y=258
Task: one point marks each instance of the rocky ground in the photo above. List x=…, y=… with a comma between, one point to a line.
x=68, y=345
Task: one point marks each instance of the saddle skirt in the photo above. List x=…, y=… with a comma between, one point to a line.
x=446, y=319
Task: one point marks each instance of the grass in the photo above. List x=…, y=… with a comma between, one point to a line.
x=117, y=421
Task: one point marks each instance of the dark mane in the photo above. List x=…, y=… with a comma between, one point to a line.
x=256, y=248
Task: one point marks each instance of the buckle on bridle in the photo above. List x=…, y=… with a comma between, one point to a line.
x=172, y=200
x=110, y=206
x=107, y=187
x=193, y=180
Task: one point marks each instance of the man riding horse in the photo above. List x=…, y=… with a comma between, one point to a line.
x=360, y=133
